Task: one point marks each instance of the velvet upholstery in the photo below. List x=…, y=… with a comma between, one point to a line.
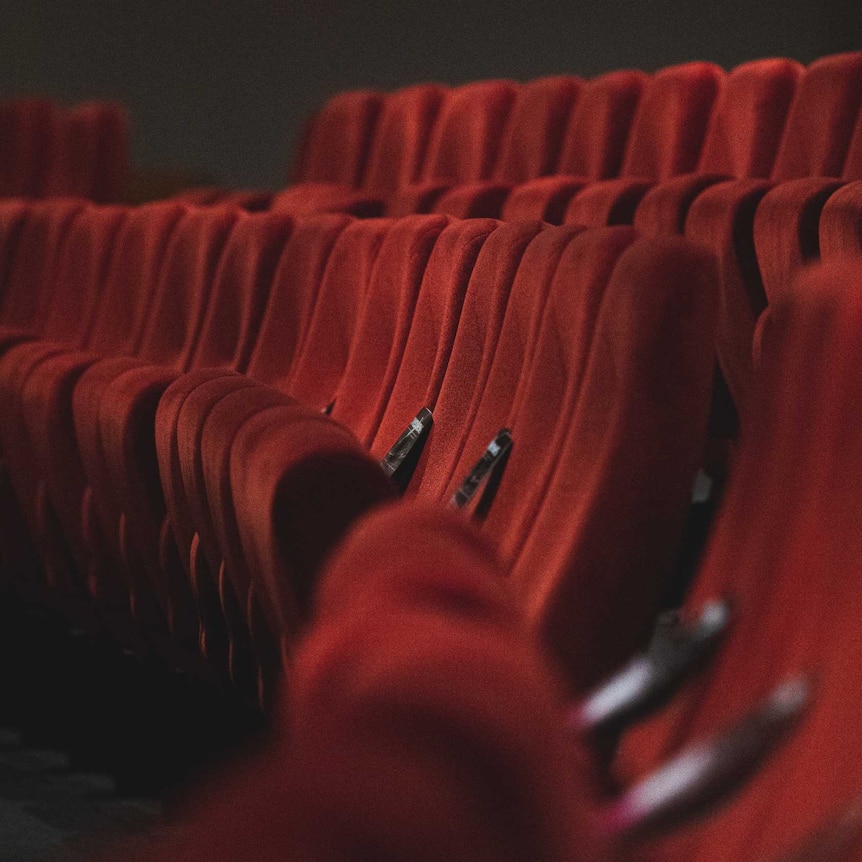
x=593, y=147
x=473, y=349
x=725, y=217
x=666, y=139
x=602, y=542
x=396, y=155
x=530, y=147
x=491, y=405
x=428, y=348
x=549, y=387
x=742, y=140
x=384, y=324
x=464, y=144
x=335, y=142
x=790, y=578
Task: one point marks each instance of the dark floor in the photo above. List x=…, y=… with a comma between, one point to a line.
x=49, y=813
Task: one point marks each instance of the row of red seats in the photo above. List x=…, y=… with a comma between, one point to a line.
x=743, y=163
x=50, y=151
x=187, y=507
x=421, y=722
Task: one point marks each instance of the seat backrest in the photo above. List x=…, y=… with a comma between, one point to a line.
x=31, y=283
x=401, y=137
x=178, y=306
x=80, y=274
x=670, y=123
x=292, y=297
x=467, y=135
x=25, y=129
x=318, y=369
x=853, y=163
x=534, y=133
x=240, y=290
x=792, y=580
x=88, y=153
x=132, y=277
x=428, y=347
x=593, y=570
x=514, y=348
x=472, y=353
x=384, y=323
x=548, y=390
x=595, y=140
x=747, y=123
x=489, y=776
x=822, y=117
x=419, y=556
x=12, y=215
x=335, y=141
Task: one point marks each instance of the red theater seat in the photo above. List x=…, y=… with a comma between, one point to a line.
x=530, y=147
x=335, y=142
x=214, y=413
x=428, y=349
x=742, y=140
x=401, y=734
x=45, y=390
x=464, y=144
x=666, y=139
x=88, y=153
x=783, y=552
x=480, y=326
x=731, y=217
x=593, y=147
x=547, y=390
x=491, y=404
x=25, y=127
x=599, y=551
x=395, y=158
x=84, y=256
x=124, y=386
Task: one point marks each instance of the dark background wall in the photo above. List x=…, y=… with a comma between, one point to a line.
x=222, y=87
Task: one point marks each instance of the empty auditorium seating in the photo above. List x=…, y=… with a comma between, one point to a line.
x=407, y=462
x=728, y=217
x=530, y=147
x=395, y=157
x=666, y=136
x=782, y=551
x=49, y=151
x=335, y=141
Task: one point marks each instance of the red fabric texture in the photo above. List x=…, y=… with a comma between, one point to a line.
x=297, y=480
x=47, y=392
x=320, y=365
x=491, y=405
x=549, y=386
x=592, y=149
x=742, y=141
x=334, y=145
x=592, y=572
x=841, y=223
x=400, y=737
x=816, y=138
x=89, y=153
x=396, y=155
x=25, y=126
x=428, y=348
x=530, y=147
x=479, y=328
x=464, y=145
x=790, y=578
x=384, y=324
x=666, y=139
